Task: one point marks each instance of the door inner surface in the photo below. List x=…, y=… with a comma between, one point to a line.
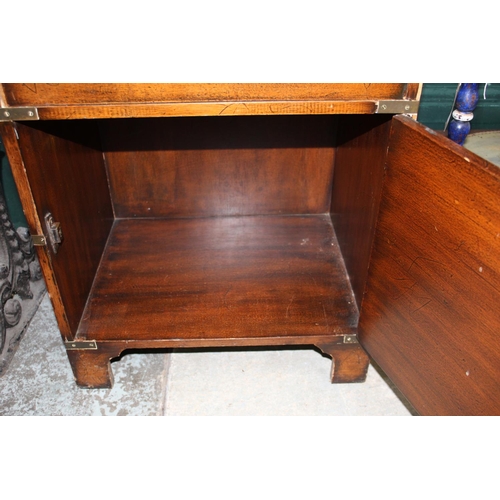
x=430, y=311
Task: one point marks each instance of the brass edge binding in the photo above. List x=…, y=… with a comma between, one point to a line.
x=76, y=345
x=397, y=107
x=18, y=114
x=350, y=339
x=38, y=240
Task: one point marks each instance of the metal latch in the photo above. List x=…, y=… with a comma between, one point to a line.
x=18, y=114
x=81, y=345
x=397, y=107
x=54, y=232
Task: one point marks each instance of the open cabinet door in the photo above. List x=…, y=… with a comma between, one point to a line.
x=430, y=315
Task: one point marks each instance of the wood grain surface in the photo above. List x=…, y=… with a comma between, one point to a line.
x=9, y=135
x=430, y=316
x=211, y=108
x=35, y=94
x=3, y=98
x=413, y=91
x=221, y=279
x=65, y=169
x=357, y=185
x=76, y=101
x=182, y=167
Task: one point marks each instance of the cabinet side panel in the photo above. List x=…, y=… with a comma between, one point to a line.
x=211, y=166
x=430, y=313
x=65, y=167
x=357, y=183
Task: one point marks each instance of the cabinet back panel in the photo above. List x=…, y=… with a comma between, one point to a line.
x=220, y=166
x=65, y=168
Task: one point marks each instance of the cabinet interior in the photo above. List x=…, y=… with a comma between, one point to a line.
x=232, y=230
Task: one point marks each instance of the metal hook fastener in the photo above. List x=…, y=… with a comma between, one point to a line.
x=54, y=232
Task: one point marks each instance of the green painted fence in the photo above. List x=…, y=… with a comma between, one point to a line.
x=438, y=98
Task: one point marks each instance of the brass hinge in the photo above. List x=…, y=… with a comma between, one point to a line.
x=81, y=345
x=351, y=339
x=397, y=107
x=38, y=240
x=18, y=114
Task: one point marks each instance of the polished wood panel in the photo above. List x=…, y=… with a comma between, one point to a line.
x=350, y=362
x=9, y=138
x=412, y=91
x=92, y=368
x=209, y=166
x=35, y=94
x=65, y=169
x=211, y=108
x=221, y=279
x=430, y=313
x=357, y=185
x=3, y=98
x=76, y=101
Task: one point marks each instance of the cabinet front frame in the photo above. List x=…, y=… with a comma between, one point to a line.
x=374, y=138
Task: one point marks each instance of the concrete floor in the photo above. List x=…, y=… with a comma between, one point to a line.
x=251, y=382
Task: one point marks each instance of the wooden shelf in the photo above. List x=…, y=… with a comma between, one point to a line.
x=221, y=281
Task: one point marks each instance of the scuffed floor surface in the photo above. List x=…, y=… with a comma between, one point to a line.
x=252, y=382
x=281, y=382
x=39, y=380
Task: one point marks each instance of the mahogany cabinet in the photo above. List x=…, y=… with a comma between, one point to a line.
x=197, y=215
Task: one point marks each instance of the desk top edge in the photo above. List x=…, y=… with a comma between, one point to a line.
x=71, y=101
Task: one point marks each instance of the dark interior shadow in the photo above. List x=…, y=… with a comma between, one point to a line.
x=211, y=132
